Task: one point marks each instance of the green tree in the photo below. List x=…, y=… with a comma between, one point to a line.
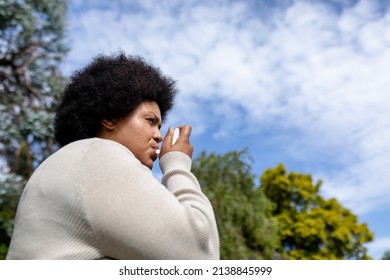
x=246, y=229
x=386, y=255
x=312, y=227
x=32, y=44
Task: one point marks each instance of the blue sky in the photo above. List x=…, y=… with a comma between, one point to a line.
x=304, y=83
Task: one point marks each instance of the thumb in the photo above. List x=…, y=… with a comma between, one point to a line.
x=167, y=139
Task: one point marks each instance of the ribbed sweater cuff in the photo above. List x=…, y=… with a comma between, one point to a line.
x=174, y=161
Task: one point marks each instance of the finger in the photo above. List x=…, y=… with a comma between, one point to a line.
x=185, y=132
x=168, y=138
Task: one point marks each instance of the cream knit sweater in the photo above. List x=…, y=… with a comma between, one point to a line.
x=93, y=199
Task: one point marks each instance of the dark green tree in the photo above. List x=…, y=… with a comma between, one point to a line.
x=32, y=45
x=312, y=227
x=386, y=255
x=246, y=229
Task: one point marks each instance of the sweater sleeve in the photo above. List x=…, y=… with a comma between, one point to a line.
x=133, y=216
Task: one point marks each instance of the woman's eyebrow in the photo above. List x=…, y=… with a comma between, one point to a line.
x=158, y=119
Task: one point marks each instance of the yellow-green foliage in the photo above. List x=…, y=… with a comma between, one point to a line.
x=310, y=226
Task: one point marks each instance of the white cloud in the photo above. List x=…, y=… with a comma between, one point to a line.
x=309, y=67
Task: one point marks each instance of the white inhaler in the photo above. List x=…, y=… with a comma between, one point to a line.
x=176, y=134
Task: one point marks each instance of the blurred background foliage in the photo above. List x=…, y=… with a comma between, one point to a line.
x=282, y=217
x=32, y=45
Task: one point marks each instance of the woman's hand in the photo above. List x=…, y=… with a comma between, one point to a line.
x=182, y=144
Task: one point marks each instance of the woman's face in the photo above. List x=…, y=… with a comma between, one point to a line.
x=138, y=131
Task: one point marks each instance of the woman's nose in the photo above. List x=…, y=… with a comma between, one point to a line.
x=157, y=136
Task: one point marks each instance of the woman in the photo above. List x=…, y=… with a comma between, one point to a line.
x=96, y=197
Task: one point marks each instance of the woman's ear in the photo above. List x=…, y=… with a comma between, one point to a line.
x=110, y=125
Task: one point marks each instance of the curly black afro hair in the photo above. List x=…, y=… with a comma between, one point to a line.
x=108, y=88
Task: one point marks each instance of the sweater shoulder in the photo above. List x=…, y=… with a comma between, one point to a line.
x=94, y=144
x=93, y=148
